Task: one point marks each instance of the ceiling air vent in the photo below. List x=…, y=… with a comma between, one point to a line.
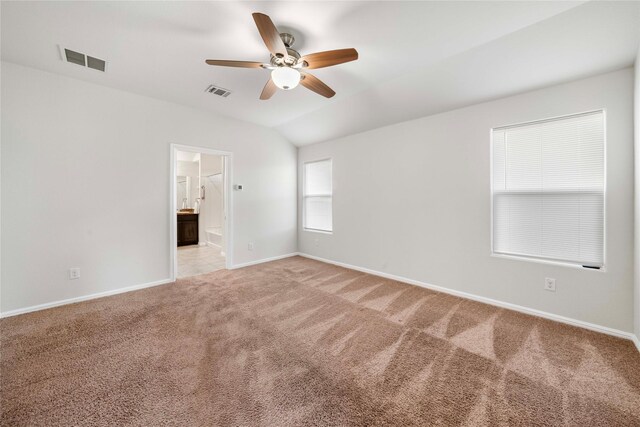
x=218, y=91
x=83, y=60
x=74, y=57
x=96, y=64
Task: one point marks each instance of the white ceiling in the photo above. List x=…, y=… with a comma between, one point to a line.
x=416, y=58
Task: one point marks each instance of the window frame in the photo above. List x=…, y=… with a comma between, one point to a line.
x=543, y=260
x=305, y=196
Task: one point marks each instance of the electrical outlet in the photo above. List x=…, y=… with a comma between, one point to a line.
x=550, y=284
x=74, y=273
x=316, y=242
x=250, y=246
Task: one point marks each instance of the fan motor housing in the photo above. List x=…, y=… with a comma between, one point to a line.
x=294, y=55
x=291, y=59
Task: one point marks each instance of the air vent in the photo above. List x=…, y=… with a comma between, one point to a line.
x=95, y=63
x=218, y=91
x=74, y=57
x=84, y=60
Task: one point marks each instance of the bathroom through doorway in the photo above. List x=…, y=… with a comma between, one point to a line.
x=200, y=207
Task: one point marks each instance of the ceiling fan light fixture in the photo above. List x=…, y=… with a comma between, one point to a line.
x=285, y=78
x=288, y=67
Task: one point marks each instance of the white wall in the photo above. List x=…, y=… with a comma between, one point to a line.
x=85, y=183
x=637, y=195
x=413, y=199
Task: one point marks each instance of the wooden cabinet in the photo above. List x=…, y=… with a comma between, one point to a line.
x=187, y=229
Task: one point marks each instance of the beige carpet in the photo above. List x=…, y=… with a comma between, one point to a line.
x=297, y=342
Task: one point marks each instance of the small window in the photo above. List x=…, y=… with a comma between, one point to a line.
x=317, y=196
x=548, y=189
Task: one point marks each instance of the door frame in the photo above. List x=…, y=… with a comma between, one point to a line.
x=227, y=226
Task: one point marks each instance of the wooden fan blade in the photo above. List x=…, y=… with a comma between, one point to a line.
x=268, y=91
x=313, y=83
x=240, y=64
x=270, y=35
x=330, y=57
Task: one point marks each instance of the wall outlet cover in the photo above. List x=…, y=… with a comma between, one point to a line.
x=550, y=284
x=74, y=273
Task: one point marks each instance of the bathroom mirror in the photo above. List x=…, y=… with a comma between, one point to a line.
x=186, y=191
x=182, y=191
x=187, y=184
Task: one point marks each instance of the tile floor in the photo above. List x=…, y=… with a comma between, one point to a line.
x=195, y=259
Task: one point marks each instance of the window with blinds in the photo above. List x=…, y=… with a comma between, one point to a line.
x=548, y=189
x=317, y=196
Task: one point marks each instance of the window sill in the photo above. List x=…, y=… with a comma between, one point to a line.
x=546, y=261
x=317, y=231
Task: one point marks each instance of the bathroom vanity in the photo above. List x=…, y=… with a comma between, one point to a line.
x=187, y=229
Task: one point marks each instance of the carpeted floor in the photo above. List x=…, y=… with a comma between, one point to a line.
x=298, y=342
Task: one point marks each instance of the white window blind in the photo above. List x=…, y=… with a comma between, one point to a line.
x=548, y=189
x=317, y=196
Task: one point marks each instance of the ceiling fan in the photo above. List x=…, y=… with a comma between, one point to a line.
x=288, y=68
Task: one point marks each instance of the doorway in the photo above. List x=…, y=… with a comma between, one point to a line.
x=200, y=206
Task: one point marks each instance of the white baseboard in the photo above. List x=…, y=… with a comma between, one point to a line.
x=83, y=298
x=122, y=290
x=263, y=260
x=515, y=307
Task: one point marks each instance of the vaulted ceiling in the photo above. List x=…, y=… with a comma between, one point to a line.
x=416, y=58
